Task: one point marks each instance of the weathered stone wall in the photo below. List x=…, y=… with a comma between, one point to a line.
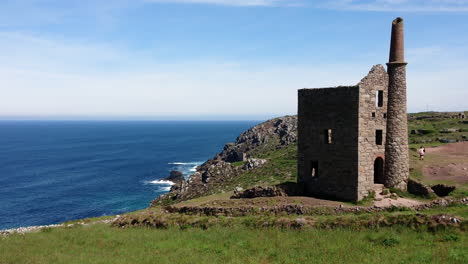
x=319, y=110
x=371, y=118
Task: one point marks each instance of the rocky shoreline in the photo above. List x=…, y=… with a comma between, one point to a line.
x=28, y=229
x=234, y=159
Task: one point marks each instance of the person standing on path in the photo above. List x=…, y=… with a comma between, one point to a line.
x=422, y=152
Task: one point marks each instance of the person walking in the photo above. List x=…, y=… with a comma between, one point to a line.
x=422, y=152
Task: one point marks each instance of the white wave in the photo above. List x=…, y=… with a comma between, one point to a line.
x=185, y=163
x=162, y=182
x=194, y=168
x=166, y=189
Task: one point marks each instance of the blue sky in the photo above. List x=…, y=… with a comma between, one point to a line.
x=218, y=59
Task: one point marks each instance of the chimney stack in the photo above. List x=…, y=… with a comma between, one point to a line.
x=397, y=45
x=396, y=143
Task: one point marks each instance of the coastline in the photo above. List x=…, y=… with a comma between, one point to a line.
x=28, y=229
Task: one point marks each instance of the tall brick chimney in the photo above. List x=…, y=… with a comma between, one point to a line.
x=396, y=144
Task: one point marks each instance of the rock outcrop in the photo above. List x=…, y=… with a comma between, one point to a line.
x=259, y=191
x=443, y=190
x=272, y=134
x=417, y=188
x=176, y=177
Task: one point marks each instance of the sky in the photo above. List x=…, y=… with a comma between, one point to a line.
x=218, y=59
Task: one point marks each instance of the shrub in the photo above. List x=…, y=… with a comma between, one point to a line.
x=451, y=237
x=390, y=241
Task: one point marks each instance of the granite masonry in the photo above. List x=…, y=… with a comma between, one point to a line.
x=344, y=146
x=396, y=147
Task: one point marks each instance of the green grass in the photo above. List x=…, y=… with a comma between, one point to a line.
x=431, y=129
x=281, y=167
x=368, y=200
x=103, y=244
x=238, y=163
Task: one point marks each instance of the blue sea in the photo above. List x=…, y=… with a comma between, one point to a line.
x=55, y=171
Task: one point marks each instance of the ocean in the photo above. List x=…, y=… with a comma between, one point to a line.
x=56, y=171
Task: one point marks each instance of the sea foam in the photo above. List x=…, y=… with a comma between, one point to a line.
x=162, y=182
x=184, y=163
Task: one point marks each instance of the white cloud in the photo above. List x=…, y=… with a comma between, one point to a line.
x=229, y=2
x=46, y=76
x=397, y=5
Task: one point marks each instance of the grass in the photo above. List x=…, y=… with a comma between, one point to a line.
x=103, y=244
x=368, y=200
x=281, y=167
x=430, y=129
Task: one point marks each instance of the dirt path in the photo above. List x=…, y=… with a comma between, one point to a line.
x=447, y=163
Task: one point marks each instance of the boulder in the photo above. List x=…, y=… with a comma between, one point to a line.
x=417, y=188
x=259, y=191
x=253, y=163
x=442, y=189
x=176, y=177
x=218, y=171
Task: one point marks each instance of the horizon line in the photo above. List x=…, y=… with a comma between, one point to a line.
x=245, y=117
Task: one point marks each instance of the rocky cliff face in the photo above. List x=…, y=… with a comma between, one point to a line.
x=272, y=134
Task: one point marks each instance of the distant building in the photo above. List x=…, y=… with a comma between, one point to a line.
x=352, y=137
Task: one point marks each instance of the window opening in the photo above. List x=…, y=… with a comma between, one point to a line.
x=379, y=99
x=314, y=168
x=378, y=137
x=328, y=136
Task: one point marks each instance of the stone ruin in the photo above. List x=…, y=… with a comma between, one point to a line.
x=353, y=137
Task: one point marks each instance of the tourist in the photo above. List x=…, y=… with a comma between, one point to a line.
x=422, y=152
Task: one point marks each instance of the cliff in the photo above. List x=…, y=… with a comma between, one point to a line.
x=245, y=154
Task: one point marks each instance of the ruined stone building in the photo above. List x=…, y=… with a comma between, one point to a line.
x=352, y=137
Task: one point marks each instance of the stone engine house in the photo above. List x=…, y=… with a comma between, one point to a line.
x=343, y=140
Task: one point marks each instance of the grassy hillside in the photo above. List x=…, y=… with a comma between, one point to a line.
x=323, y=235
x=243, y=240
x=433, y=128
x=281, y=167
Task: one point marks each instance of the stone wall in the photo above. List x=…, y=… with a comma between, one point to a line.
x=318, y=111
x=371, y=118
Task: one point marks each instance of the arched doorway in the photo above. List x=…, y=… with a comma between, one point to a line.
x=379, y=170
